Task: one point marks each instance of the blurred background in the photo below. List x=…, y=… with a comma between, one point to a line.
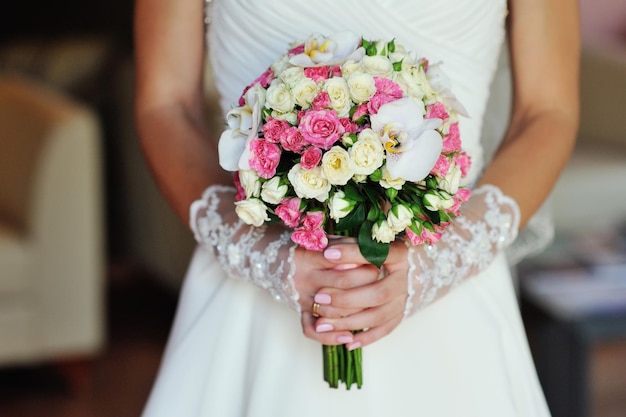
x=91, y=257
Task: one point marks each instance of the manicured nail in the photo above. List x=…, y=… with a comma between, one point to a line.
x=355, y=345
x=322, y=298
x=332, y=254
x=344, y=339
x=344, y=267
x=324, y=327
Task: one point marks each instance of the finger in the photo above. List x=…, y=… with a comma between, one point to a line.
x=370, y=336
x=365, y=319
x=325, y=337
x=397, y=252
x=331, y=312
x=371, y=295
x=344, y=253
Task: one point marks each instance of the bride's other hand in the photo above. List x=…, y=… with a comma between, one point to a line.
x=315, y=272
x=376, y=305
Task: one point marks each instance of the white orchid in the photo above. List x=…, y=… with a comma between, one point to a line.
x=411, y=142
x=332, y=50
x=243, y=123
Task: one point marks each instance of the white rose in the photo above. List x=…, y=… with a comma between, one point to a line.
x=377, y=66
x=273, y=192
x=435, y=201
x=337, y=89
x=304, y=92
x=280, y=66
x=249, y=180
x=409, y=84
x=279, y=98
x=309, y=183
x=291, y=117
x=252, y=211
x=350, y=68
x=361, y=87
x=382, y=232
x=337, y=166
x=450, y=183
x=292, y=76
x=339, y=206
x=399, y=218
x=359, y=178
x=367, y=153
x=388, y=182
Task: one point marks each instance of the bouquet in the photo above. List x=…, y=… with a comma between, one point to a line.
x=352, y=137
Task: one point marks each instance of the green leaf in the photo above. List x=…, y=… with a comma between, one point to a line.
x=371, y=50
x=352, y=192
x=352, y=220
x=397, y=66
x=374, y=213
x=373, y=251
x=392, y=46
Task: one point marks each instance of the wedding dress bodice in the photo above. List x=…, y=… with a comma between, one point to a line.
x=244, y=39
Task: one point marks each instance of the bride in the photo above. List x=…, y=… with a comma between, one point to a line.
x=444, y=332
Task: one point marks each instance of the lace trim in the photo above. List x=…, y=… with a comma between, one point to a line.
x=467, y=247
x=245, y=252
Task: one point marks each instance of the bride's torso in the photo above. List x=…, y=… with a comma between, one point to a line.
x=246, y=36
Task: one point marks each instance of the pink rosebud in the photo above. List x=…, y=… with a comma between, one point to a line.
x=464, y=161
x=452, y=141
x=321, y=101
x=241, y=193
x=427, y=237
x=317, y=74
x=313, y=220
x=442, y=166
x=321, y=128
x=264, y=79
x=274, y=129
x=438, y=111
x=296, y=50
x=425, y=63
x=336, y=71
x=289, y=211
x=360, y=112
x=311, y=157
x=292, y=140
x=264, y=157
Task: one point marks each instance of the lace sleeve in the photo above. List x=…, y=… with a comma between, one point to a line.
x=488, y=224
x=263, y=256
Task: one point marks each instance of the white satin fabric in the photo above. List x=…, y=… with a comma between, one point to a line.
x=235, y=352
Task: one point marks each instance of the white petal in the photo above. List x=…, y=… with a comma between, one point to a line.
x=417, y=162
x=230, y=147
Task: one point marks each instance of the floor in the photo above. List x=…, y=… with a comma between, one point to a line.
x=117, y=383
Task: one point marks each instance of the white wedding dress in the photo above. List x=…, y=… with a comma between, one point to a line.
x=234, y=351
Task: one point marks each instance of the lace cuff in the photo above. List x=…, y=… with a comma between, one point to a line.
x=488, y=224
x=263, y=256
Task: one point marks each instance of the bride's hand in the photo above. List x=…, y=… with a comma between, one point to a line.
x=376, y=305
x=314, y=272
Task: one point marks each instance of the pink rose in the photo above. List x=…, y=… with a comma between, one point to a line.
x=317, y=74
x=313, y=220
x=460, y=198
x=437, y=110
x=310, y=239
x=441, y=166
x=452, y=141
x=292, y=140
x=464, y=161
x=274, y=129
x=348, y=125
x=311, y=157
x=321, y=128
x=241, y=193
x=296, y=50
x=377, y=101
x=336, y=71
x=264, y=157
x=321, y=101
x=427, y=237
x=289, y=211
x=387, y=87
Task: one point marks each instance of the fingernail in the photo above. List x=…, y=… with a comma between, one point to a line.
x=343, y=267
x=324, y=327
x=322, y=298
x=332, y=254
x=344, y=339
x=355, y=345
